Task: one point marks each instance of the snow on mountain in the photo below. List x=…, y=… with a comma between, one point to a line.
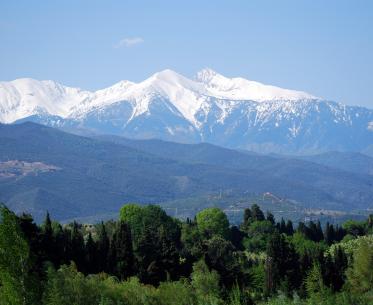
x=242, y=89
x=232, y=112
x=24, y=97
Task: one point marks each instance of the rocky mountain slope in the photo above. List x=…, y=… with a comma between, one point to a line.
x=232, y=112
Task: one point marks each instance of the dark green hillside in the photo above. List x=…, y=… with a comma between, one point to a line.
x=94, y=177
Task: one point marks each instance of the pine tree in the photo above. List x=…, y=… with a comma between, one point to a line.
x=257, y=213
x=319, y=235
x=270, y=218
x=103, y=245
x=47, y=241
x=329, y=235
x=247, y=217
x=281, y=264
x=121, y=252
x=282, y=226
x=77, y=247
x=289, y=228
x=90, y=255
x=340, y=265
x=370, y=221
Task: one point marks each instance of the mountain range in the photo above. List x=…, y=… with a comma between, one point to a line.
x=71, y=176
x=230, y=112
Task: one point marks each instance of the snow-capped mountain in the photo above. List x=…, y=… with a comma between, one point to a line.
x=232, y=112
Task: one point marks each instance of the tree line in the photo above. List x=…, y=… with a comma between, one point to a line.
x=148, y=257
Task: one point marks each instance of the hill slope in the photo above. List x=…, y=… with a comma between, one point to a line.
x=74, y=176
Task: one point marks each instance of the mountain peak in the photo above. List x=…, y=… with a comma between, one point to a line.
x=239, y=88
x=206, y=75
x=167, y=74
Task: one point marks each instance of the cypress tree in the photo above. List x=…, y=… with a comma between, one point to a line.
x=103, y=245
x=121, y=252
x=289, y=228
x=77, y=247
x=257, y=213
x=47, y=241
x=282, y=226
x=319, y=232
x=270, y=218
x=247, y=217
x=90, y=255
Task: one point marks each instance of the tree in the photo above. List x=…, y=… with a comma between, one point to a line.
x=67, y=286
x=205, y=284
x=220, y=256
x=314, y=282
x=370, y=221
x=282, y=226
x=47, y=240
x=329, y=235
x=17, y=282
x=247, y=217
x=213, y=221
x=360, y=275
x=133, y=214
x=270, y=218
x=150, y=216
x=281, y=264
x=353, y=227
x=90, y=252
x=289, y=227
x=103, y=245
x=121, y=252
x=319, y=235
x=61, y=244
x=77, y=247
x=257, y=213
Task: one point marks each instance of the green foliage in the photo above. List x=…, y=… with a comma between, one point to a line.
x=350, y=245
x=314, y=282
x=149, y=258
x=213, y=221
x=220, y=256
x=258, y=233
x=205, y=284
x=360, y=274
x=17, y=284
x=121, y=258
x=305, y=246
x=176, y=293
x=282, y=269
x=355, y=228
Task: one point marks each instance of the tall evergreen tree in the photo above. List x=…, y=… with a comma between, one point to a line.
x=47, y=240
x=270, y=218
x=289, y=228
x=121, y=252
x=90, y=255
x=329, y=235
x=77, y=247
x=103, y=245
x=281, y=264
x=257, y=213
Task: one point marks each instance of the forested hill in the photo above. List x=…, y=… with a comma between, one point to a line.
x=42, y=169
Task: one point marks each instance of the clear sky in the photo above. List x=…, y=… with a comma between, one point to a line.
x=322, y=47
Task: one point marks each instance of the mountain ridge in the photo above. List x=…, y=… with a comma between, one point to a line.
x=84, y=176
x=230, y=112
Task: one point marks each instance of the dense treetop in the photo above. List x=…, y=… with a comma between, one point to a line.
x=148, y=257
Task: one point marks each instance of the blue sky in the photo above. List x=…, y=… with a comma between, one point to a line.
x=322, y=47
